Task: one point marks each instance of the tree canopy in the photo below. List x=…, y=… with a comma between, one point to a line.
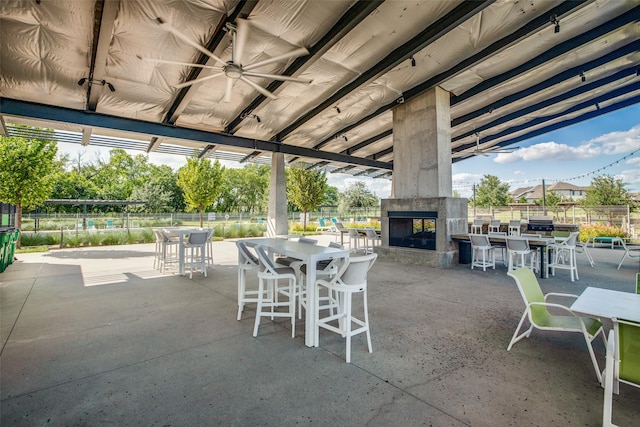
x=605, y=191
x=306, y=189
x=492, y=192
x=357, y=195
x=201, y=182
x=27, y=169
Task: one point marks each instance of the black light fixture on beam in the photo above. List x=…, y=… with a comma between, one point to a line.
x=337, y=109
x=251, y=116
x=84, y=80
x=342, y=136
x=554, y=20
x=583, y=77
x=413, y=61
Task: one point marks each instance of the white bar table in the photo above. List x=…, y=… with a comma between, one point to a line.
x=310, y=255
x=182, y=233
x=606, y=303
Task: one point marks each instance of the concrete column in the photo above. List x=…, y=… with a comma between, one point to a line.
x=422, y=146
x=277, y=216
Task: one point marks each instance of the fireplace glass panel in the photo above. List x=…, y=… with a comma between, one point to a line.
x=413, y=229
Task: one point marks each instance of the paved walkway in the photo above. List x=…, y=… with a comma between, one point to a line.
x=96, y=336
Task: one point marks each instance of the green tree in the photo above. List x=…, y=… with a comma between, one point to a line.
x=120, y=175
x=492, y=192
x=156, y=197
x=330, y=196
x=201, y=182
x=357, y=195
x=244, y=189
x=551, y=199
x=306, y=189
x=607, y=191
x=27, y=171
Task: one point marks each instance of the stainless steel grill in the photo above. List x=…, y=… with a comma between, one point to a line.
x=540, y=223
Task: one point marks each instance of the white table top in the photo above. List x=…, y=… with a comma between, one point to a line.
x=303, y=251
x=607, y=303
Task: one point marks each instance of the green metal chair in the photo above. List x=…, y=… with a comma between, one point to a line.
x=537, y=312
x=638, y=283
x=623, y=362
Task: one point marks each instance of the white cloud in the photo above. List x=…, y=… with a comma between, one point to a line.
x=518, y=172
x=612, y=143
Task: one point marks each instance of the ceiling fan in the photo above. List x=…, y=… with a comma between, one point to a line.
x=496, y=150
x=233, y=69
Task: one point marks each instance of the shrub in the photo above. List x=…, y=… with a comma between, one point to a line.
x=589, y=231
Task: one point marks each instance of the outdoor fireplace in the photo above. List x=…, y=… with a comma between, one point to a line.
x=409, y=229
x=417, y=230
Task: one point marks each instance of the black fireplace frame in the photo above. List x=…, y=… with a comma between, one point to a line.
x=402, y=231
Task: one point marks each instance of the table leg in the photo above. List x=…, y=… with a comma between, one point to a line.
x=311, y=334
x=181, y=257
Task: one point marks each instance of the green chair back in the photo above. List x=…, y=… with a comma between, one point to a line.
x=638, y=283
x=629, y=351
x=531, y=292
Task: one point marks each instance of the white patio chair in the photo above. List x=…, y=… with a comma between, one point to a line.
x=482, y=253
x=476, y=227
x=372, y=239
x=519, y=254
x=564, y=256
x=501, y=248
x=630, y=251
x=168, y=250
x=268, y=278
x=247, y=261
x=354, y=239
x=350, y=279
x=537, y=312
x=514, y=227
x=494, y=226
x=195, y=252
x=325, y=269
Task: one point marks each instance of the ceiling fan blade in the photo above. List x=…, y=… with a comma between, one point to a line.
x=276, y=77
x=188, y=64
x=227, y=92
x=188, y=41
x=201, y=79
x=241, y=36
x=294, y=53
x=259, y=88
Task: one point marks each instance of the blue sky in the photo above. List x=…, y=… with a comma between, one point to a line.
x=585, y=148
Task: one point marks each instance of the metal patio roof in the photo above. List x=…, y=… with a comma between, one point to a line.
x=100, y=72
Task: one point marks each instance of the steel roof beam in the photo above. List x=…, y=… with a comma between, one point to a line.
x=347, y=22
x=451, y=20
x=554, y=126
x=105, y=11
x=524, y=31
x=557, y=51
x=574, y=72
x=369, y=141
x=550, y=101
x=14, y=107
x=379, y=154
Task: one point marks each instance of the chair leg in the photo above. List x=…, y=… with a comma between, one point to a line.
x=593, y=356
x=242, y=285
x=256, y=324
x=366, y=320
x=517, y=337
x=347, y=319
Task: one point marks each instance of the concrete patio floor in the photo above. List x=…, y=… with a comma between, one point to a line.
x=96, y=336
